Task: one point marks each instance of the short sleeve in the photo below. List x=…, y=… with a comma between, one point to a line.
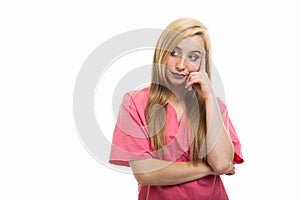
x=130, y=138
x=238, y=156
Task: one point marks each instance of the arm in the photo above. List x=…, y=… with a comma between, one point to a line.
x=161, y=172
x=219, y=145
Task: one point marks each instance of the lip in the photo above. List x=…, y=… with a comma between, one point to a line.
x=178, y=75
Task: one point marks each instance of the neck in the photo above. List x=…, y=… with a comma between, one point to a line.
x=177, y=93
x=178, y=105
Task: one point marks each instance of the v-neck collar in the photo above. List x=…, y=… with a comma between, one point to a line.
x=173, y=114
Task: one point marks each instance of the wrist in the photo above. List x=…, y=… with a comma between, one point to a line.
x=210, y=99
x=209, y=169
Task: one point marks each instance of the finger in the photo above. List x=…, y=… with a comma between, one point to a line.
x=197, y=76
x=203, y=63
x=194, y=78
x=230, y=174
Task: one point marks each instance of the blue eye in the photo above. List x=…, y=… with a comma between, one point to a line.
x=175, y=53
x=193, y=57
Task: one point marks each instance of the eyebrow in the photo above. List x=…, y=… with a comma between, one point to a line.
x=195, y=51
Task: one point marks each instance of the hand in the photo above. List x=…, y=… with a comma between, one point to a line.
x=230, y=171
x=199, y=81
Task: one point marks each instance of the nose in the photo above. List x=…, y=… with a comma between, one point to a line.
x=181, y=64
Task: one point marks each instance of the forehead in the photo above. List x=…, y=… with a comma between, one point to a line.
x=195, y=42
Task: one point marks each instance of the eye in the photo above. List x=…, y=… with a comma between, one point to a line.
x=175, y=52
x=193, y=57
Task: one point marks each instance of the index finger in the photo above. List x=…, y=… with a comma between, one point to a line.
x=203, y=63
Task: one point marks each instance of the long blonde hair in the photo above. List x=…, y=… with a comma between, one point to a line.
x=159, y=92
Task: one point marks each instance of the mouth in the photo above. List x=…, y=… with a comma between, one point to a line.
x=178, y=75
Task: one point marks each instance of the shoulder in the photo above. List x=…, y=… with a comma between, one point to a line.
x=137, y=98
x=139, y=95
x=222, y=105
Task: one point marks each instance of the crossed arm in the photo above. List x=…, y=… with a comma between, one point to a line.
x=160, y=172
x=219, y=158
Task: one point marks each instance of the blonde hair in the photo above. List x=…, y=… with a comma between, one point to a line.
x=159, y=92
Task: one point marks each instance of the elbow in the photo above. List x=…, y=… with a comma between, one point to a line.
x=221, y=164
x=221, y=168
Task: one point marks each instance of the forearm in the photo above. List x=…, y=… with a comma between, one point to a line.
x=219, y=145
x=161, y=172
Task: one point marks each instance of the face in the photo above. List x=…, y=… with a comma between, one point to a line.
x=184, y=59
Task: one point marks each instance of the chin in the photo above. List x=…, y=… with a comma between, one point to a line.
x=177, y=82
x=173, y=80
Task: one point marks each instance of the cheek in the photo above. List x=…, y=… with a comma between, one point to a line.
x=193, y=67
x=171, y=62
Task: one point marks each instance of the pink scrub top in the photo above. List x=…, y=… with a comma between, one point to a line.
x=131, y=142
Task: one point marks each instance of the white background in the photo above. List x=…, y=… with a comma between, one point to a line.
x=44, y=44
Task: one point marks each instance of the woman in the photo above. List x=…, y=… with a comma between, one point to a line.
x=175, y=134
